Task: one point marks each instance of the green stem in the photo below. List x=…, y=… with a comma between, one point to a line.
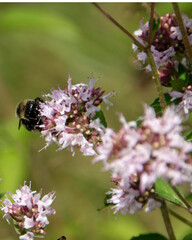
x=119, y=26
x=148, y=8
x=152, y=62
x=167, y=221
x=147, y=50
x=157, y=80
x=152, y=6
x=183, y=30
x=182, y=219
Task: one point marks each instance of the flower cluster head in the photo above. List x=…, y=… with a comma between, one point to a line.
x=69, y=116
x=29, y=212
x=138, y=155
x=167, y=45
x=185, y=97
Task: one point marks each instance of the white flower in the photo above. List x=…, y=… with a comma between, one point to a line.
x=186, y=99
x=162, y=57
x=28, y=222
x=142, y=56
x=138, y=156
x=176, y=33
x=167, y=46
x=29, y=211
x=125, y=201
x=27, y=236
x=151, y=205
x=68, y=117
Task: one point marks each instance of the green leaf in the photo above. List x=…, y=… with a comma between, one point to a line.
x=182, y=80
x=164, y=190
x=106, y=204
x=156, y=103
x=17, y=229
x=190, y=79
x=107, y=197
x=183, y=72
x=101, y=116
x=189, y=137
x=188, y=237
x=176, y=85
x=155, y=27
x=188, y=196
x=156, y=24
x=149, y=236
x=2, y=194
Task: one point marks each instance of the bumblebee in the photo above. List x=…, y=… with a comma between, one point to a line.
x=62, y=238
x=28, y=113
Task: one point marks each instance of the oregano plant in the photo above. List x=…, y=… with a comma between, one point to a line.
x=149, y=158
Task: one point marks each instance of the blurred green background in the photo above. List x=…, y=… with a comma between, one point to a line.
x=40, y=43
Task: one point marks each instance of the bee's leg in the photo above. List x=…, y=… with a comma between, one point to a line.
x=20, y=123
x=38, y=99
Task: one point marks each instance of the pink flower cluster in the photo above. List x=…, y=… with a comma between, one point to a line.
x=138, y=155
x=167, y=45
x=68, y=116
x=29, y=212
